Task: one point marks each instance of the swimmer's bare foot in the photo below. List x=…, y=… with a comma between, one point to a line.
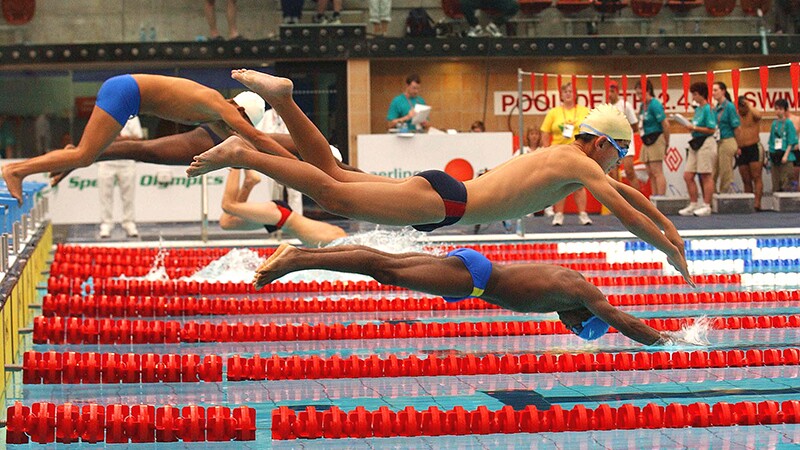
x=13, y=182
x=276, y=266
x=251, y=178
x=223, y=155
x=272, y=89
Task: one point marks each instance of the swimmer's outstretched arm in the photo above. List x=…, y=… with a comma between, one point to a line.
x=637, y=223
x=646, y=207
x=625, y=323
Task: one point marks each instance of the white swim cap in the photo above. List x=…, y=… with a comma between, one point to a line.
x=609, y=120
x=253, y=105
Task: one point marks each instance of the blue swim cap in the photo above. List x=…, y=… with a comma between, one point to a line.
x=593, y=328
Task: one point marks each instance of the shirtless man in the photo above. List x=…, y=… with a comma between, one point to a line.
x=750, y=153
x=125, y=96
x=464, y=273
x=433, y=199
x=239, y=214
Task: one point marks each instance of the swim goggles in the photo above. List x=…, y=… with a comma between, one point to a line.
x=621, y=151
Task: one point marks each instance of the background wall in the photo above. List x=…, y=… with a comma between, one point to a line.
x=461, y=92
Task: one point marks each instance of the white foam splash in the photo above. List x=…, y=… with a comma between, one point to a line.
x=695, y=334
x=406, y=240
x=238, y=265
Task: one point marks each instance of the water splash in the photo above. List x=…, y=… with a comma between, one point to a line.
x=235, y=266
x=238, y=265
x=695, y=334
x=406, y=240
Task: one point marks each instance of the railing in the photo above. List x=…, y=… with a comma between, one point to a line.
x=24, y=249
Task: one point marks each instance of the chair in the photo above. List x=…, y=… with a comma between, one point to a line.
x=452, y=9
x=570, y=7
x=646, y=8
x=751, y=7
x=683, y=6
x=720, y=8
x=18, y=12
x=531, y=7
x=610, y=6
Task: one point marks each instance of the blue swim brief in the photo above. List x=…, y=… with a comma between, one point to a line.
x=120, y=97
x=479, y=267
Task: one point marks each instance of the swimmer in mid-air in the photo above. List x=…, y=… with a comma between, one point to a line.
x=239, y=214
x=125, y=96
x=176, y=149
x=464, y=273
x=433, y=199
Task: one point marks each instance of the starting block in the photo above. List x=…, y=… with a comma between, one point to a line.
x=786, y=201
x=669, y=206
x=743, y=203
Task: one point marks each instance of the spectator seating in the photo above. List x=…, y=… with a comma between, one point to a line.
x=646, y=8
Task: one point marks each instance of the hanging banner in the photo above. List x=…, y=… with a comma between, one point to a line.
x=539, y=103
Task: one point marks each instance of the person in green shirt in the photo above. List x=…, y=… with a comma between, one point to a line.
x=727, y=121
x=702, y=158
x=401, y=110
x=655, y=136
x=782, y=147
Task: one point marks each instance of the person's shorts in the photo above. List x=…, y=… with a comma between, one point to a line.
x=704, y=159
x=453, y=194
x=750, y=154
x=479, y=267
x=120, y=97
x=655, y=152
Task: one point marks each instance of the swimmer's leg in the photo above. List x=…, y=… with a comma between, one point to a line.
x=100, y=132
x=237, y=214
x=413, y=201
x=417, y=271
x=310, y=143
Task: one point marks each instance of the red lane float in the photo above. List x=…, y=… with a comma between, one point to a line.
x=109, y=286
x=89, y=368
x=45, y=423
x=162, y=306
x=75, y=330
x=360, y=423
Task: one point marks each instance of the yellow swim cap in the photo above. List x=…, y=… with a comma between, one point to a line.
x=607, y=119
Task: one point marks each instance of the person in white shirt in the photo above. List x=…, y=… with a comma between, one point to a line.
x=123, y=172
x=625, y=108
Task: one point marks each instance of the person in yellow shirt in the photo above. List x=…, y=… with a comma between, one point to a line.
x=560, y=127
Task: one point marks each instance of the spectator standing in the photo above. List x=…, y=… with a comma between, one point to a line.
x=787, y=16
x=533, y=137
x=655, y=137
x=123, y=173
x=401, y=109
x=727, y=122
x=627, y=110
x=380, y=14
x=43, y=134
x=231, y=13
x=321, y=18
x=559, y=127
x=292, y=11
x=748, y=157
x=8, y=138
x=782, y=142
x=505, y=9
x=702, y=158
